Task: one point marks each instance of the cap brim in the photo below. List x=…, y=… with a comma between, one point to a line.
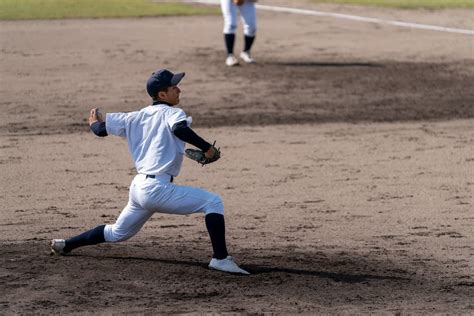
x=177, y=78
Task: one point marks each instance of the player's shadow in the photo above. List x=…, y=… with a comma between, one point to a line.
x=324, y=64
x=336, y=277
x=258, y=270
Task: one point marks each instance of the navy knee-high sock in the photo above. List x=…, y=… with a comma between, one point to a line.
x=90, y=237
x=229, y=43
x=248, y=43
x=216, y=227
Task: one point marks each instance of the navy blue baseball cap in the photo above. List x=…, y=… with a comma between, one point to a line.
x=161, y=79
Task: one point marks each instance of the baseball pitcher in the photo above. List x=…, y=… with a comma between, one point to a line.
x=156, y=137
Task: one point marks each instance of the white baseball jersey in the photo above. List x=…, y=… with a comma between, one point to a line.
x=155, y=151
x=151, y=142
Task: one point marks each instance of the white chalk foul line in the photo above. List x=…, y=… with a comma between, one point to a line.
x=352, y=17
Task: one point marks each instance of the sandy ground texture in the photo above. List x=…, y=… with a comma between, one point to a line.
x=347, y=169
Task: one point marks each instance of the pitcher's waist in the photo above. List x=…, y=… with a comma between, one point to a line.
x=158, y=177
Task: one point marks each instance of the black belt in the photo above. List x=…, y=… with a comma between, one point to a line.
x=152, y=176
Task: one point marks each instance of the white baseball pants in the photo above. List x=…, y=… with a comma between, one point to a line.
x=247, y=12
x=148, y=196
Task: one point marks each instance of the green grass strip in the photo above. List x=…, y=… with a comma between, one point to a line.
x=66, y=9
x=407, y=4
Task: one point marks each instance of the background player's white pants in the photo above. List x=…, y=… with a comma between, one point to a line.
x=248, y=13
x=148, y=196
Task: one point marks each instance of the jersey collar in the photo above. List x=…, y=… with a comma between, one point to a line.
x=161, y=102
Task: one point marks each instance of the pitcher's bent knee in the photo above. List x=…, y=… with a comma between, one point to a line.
x=113, y=234
x=215, y=205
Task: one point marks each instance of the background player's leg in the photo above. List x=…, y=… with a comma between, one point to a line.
x=248, y=43
x=249, y=18
x=229, y=12
x=229, y=43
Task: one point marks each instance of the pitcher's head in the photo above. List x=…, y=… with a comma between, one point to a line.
x=163, y=85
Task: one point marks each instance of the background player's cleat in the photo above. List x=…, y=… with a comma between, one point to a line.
x=231, y=61
x=57, y=246
x=226, y=265
x=247, y=58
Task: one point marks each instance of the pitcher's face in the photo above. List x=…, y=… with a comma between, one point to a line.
x=171, y=95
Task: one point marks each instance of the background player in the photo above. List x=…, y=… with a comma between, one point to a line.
x=230, y=9
x=156, y=137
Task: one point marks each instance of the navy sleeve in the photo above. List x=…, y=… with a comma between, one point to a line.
x=99, y=129
x=186, y=134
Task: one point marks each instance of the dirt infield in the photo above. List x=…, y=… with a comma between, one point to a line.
x=347, y=170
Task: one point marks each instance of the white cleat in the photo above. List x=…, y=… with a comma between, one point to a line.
x=247, y=58
x=231, y=61
x=226, y=265
x=57, y=246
